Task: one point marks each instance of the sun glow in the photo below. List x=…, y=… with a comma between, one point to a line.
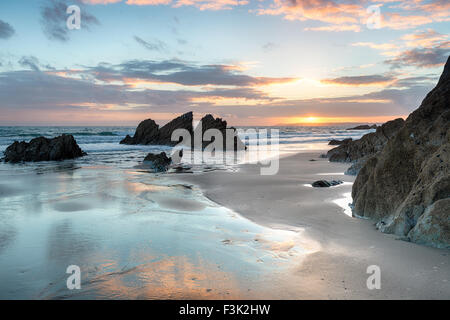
x=319, y=120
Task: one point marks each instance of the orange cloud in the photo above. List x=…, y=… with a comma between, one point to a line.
x=427, y=38
x=370, y=80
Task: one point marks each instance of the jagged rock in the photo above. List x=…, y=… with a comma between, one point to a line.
x=406, y=186
x=158, y=162
x=326, y=184
x=363, y=127
x=339, y=142
x=209, y=122
x=356, y=166
x=368, y=145
x=148, y=132
x=43, y=149
x=182, y=122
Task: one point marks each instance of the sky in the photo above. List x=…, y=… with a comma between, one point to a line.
x=252, y=62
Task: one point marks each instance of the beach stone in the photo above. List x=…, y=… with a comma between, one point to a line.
x=325, y=184
x=339, y=142
x=158, y=162
x=406, y=186
x=44, y=149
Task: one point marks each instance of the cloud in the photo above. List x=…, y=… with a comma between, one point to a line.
x=68, y=96
x=377, y=46
x=422, y=57
x=182, y=73
x=54, y=18
x=6, y=30
x=367, y=80
x=30, y=62
x=268, y=46
x=156, y=45
x=350, y=15
x=427, y=38
x=200, y=4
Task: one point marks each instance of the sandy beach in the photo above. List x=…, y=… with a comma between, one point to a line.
x=339, y=247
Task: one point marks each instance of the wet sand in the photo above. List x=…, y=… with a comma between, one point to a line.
x=340, y=247
x=134, y=235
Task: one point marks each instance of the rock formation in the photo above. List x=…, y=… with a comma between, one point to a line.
x=406, y=186
x=44, y=149
x=148, y=132
x=359, y=151
x=368, y=145
x=363, y=127
x=339, y=142
x=209, y=122
x=158, y=162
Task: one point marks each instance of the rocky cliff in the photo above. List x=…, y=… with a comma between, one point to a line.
x=406, y=186
x=368, y=145
x=359, y=151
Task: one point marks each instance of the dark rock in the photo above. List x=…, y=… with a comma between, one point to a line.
x=326, y=184
x=209, y=122
x=43, y=149
x=148, y=132
x=406, y=186
x=158, y=162
x=356, y=166
x=182, y=122
x=339, y=142
x=363, y=127
x=368, y=145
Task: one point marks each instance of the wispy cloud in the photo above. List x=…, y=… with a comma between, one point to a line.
x=154, y=45
x=30, y=62
x=54, y=16
x=365, y=80
x=421, y=57
x=6, y=30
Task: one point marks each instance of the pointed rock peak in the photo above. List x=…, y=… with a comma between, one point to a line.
x=188, y=115
x=446, y=73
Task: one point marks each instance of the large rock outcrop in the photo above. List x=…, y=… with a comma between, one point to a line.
x=406, y=186
x=148, y=132
x=368, y=145
x=44, y=149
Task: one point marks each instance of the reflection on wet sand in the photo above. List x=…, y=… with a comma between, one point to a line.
x=134, y=236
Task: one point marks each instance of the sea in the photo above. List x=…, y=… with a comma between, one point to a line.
x=132, y=233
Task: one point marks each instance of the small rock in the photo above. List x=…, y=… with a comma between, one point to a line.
x=326, y=184
x=158, y=162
